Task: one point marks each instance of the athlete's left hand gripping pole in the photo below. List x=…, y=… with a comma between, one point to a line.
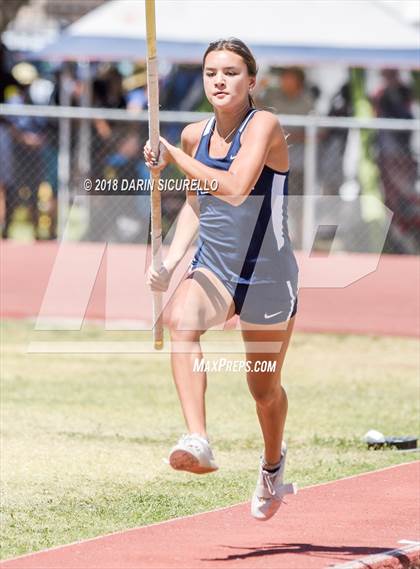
x=156, y=229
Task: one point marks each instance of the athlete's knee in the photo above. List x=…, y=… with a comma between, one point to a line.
x=267, y=396
x=185, y=335
x=181, y=328
x=184, y=318
x=174, y=318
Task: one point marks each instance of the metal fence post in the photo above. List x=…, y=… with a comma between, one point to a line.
x=64, y=158
x=308, y=225
x=85, y=131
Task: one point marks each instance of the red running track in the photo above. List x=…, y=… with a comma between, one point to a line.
x=327, y=525
x=94, y=280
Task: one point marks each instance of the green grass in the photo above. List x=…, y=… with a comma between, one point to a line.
x=84, y=435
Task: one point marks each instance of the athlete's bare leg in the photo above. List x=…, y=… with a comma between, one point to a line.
x=266, y=388
x=198, y=304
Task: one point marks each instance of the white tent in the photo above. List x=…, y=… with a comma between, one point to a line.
x=351, y=32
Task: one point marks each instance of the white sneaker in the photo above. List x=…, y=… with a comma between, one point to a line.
x=193, y=453
x=270, y=490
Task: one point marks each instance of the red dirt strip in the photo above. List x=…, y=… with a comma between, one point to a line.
x=97, y=280
x=356, y=518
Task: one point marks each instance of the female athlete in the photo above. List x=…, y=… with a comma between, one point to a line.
x=244, y=263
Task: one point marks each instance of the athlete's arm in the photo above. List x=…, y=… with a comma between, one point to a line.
x=262, y=134
x=185, y=234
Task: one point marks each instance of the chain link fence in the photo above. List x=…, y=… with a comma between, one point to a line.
x=48, y=153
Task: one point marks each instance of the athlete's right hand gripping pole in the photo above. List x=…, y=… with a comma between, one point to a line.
x=156, y=217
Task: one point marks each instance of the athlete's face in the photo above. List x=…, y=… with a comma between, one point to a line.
x=226, y=79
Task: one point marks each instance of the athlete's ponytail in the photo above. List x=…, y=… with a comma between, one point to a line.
x=240, y=48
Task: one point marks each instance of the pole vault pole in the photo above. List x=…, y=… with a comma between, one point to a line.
x=156, y=215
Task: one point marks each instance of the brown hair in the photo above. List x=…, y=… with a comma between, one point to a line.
x=237, y=46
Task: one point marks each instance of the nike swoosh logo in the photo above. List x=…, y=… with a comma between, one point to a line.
x=233, y=157
x=267, y=316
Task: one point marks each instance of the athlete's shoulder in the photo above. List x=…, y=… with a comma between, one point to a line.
x=265, y=119
x=191, y=134
x=264, y=126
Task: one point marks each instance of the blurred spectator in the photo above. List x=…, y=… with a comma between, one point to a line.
x=334, y=142
x=133, y=222
x=135, y=87
x=42, y=92
x=117, y=149
x=28, y=172
x=108, y=94
x=397, y=165
x=291, y=96
x=29, y=141
x=67, y=85
x=182, y=90
x=7, y=188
